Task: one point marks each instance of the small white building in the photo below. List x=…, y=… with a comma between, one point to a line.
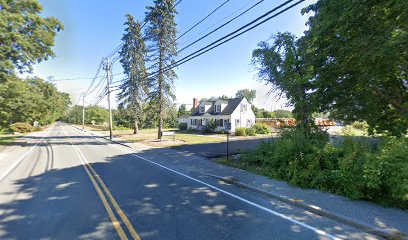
x=228, y=114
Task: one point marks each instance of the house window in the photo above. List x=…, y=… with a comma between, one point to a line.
x=249, y=123
x=243, y=108
x=217, y=108
x=227, y=124
x=202, y=109
x=191, y=121
x=201, y=122
x=237, y=123
x=221, y=123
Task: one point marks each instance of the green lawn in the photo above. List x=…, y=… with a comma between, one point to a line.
x=6, y=138
x=149, y=136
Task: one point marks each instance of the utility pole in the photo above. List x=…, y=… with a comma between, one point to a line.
x=108, y=68
x=83, y=111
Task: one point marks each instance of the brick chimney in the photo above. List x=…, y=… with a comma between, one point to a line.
x=195, y=103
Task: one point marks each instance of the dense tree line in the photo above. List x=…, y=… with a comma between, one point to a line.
x=26, y=38
x=351, y=62
x=122, y=117
x=29, y=100
x=263, y=113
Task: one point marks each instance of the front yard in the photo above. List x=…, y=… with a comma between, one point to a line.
x=149, y=137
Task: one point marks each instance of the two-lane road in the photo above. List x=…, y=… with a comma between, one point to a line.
x=66, y=184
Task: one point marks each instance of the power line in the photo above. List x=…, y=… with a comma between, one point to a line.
x=96, y=76
x=195, y=25
x=202, y=20
x=70, y=79
x=219, y=21
x=223, y=25
x=116, y=50
x=231, y=35
x=100, y=83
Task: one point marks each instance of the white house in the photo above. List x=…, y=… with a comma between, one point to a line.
x=228, y=114
x=183, y=119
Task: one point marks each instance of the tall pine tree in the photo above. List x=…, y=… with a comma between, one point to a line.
x=161, y=32
x=132, y=57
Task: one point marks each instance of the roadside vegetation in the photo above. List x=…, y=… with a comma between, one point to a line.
x=6, y=138
x=348, y=66
x=123, y=118
x=27, y=38
x=351, y=168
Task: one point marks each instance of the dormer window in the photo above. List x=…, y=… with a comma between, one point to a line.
x=217, y=108
x=202, y=109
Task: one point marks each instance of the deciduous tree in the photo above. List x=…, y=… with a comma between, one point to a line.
x=282, y=65
x=26, y=37
x=249, y=94
x=359, y=54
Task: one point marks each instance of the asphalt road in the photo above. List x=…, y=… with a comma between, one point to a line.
x=65, y=184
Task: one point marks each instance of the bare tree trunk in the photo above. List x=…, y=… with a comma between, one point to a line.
x=160, y=121
x=160, y=127
x=135, y=127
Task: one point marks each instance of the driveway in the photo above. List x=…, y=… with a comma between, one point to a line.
x=213, y=150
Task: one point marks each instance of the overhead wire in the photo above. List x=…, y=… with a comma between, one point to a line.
x=95, y=77
x=202, y=20
x=195, y=25
x=247, y=27
x=223, y=25
x=220, y=27
x=116, y=50
x=239, y=9
x=70, y=79
x=231, y=35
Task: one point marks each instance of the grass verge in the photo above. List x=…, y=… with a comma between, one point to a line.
x=6, y=138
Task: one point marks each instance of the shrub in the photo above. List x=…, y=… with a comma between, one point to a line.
x=353, y=168
x=240, y=132
x=21, y=127
x=363, y=126
x=121, y=128
x=183, y=126
x=386, y=173
x=211, y=125
x=222, y=131
x=250, y=131
x=261, y=128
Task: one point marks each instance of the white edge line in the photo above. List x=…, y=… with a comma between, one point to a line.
x=19, y=160
x=316, y=230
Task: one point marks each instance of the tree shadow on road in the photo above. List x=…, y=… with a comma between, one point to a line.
x=62, y=204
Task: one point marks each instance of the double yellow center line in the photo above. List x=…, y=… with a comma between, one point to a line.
x=107, y=198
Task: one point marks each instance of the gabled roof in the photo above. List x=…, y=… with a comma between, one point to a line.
x=232, y=104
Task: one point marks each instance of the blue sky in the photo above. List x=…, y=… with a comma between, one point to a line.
x=93, y=28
